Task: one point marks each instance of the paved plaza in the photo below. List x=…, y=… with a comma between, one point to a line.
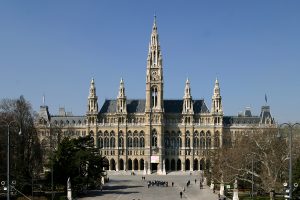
x=127, y=187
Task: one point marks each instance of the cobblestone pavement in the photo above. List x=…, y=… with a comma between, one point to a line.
x=127, y=187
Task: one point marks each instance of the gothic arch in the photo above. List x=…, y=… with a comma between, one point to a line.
x=129, y=164
x=142, y=164
x=154, y=138
x=121, y=164
x=167, y=165
x=187, y=164
x=135, y=164
x=173, y=165
x=105, y=160
x=202, y=164
x=195, y=164
x=178, y=165
x=112, y=164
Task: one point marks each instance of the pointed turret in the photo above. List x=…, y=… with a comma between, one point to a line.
x=187, y=99
x=217, y=99
x=92, y=104
x=121, y=102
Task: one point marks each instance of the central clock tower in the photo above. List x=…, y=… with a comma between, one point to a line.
x=154, y=108
x=154, y=76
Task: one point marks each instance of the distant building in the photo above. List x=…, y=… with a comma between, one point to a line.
x=154, y=134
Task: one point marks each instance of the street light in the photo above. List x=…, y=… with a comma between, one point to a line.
x=8, y=156
x=291, y=126
x=51, y=148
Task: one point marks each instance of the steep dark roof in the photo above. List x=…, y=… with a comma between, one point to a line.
x=238, y=120
x=138, y=106
x=68, y=119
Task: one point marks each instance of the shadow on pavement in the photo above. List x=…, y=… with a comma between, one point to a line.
x=110, y=190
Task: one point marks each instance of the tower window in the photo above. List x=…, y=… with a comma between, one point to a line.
x=154, y=97
x=154, y=138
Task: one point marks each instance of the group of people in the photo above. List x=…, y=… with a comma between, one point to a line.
x=158, y=183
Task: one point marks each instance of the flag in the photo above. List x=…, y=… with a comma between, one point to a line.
x=266, y=99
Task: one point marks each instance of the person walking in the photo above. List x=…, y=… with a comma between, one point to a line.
x=195, y=181
x=180, y=194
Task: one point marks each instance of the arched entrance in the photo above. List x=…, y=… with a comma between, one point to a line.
x=202, y=164
x=187, y=164
x=106, y=161
x=112, y=164
x=172, y=165
x=142, y=164
x=178, y=165
x=196, y=164
x=135, y=164
x=121, y=164
x=208, y=164
x=167, y=165
x=129, y=164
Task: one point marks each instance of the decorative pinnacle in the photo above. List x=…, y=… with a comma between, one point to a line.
x=187, y=81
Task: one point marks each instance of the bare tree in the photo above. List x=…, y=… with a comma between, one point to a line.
x=261, y=147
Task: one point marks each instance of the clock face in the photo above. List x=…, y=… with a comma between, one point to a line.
x=154, y=75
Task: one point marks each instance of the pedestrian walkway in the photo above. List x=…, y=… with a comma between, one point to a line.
x=128, y=187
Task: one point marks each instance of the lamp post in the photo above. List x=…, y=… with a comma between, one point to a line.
x=291, y=126
x=8, y=156
x=51, y=149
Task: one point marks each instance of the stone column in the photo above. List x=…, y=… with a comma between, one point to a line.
x=145, y=167
x=164, y=167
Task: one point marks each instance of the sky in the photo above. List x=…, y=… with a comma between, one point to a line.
x=54, y=48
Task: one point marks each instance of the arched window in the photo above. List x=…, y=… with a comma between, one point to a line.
x=142, y=142
x=188, y=142
x=101, y=143
x=217, y=140
x=167, y=142
x=121, y=142
x=112, y=142
x=154, y=97
x=179, y=142
x=135, y=142
x=172, y=142
x=208, y=140
x=130, y=142
x=106, y=142
x=187, y=139
x=154, y=138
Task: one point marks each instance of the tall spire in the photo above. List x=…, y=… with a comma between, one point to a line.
x=154, y=73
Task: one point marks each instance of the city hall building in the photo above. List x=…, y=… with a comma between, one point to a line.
x=154, y=134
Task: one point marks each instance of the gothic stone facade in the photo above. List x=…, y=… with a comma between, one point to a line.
x=154, y=134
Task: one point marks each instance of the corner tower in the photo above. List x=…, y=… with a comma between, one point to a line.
x=216, y=107
x=92, y=104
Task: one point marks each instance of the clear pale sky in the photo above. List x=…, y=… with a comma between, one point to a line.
x=56, y=47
